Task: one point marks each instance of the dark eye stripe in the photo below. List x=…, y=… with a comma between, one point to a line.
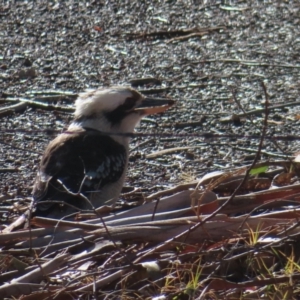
x=116, y=116
x=129, y=103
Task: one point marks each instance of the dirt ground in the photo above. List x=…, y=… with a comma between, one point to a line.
x=210, y=56
x=220, y=61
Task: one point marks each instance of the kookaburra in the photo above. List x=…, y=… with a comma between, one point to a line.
x=90, y=158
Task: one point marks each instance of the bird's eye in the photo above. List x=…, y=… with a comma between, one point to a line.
x=129, y=102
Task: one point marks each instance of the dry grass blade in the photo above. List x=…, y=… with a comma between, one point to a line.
x=42, y=271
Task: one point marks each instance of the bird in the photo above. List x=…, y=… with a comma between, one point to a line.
x=85, y=166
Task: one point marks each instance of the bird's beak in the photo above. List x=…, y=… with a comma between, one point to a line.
x=151, y=106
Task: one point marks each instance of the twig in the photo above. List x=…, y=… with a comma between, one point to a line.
x=238, y=102
x=186, y=37
x=233, y=8
x=9, y=170
x=12, y=109
x=146, y=80
x=39, y=104
x=193, y=227
x=245, y=62
x=52, y=92
x=168, y=151
x=180, y=32
x=265, y=152
x=261, y=110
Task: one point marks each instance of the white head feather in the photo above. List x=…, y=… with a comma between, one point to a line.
x=92, y=106
x=102, y=100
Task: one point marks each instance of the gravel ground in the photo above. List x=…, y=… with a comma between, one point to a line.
x=51, y=50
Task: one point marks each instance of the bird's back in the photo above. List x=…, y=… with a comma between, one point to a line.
x=77, y=164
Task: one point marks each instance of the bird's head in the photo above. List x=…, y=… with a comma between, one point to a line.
x=116, y=109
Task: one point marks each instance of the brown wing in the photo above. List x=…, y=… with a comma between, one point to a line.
x=80, y=162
